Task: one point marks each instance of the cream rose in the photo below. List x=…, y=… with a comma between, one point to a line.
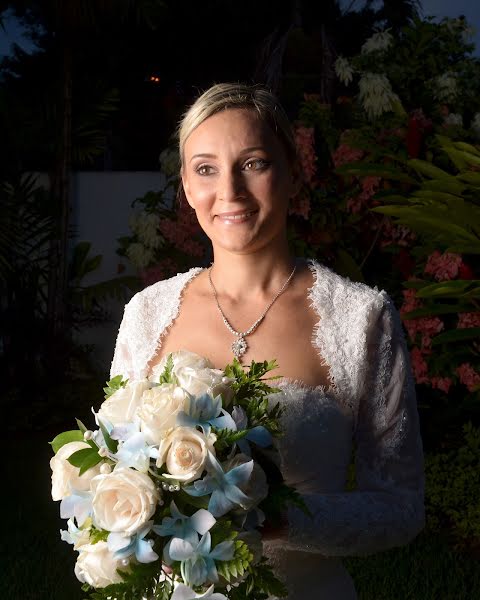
x=196, y=375
x=65, y=476
x=97, y=566
x=123, y=500
x=120, y=407
x=184, y=451
x=158, y=411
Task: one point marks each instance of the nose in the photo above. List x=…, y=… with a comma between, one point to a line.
x=232, y=185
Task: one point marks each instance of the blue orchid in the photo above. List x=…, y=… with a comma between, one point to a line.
x=124, y=546
x=78, y=505
x=183, y=527
x=204, y=411
x=259, y=435
x=73, y=534
x=223, y=486
x=136, y=453
x=198, y=562
x=183, y=592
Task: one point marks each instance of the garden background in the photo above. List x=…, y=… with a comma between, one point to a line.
x=386, y=107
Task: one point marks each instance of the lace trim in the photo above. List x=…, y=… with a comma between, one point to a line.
x=172, y=316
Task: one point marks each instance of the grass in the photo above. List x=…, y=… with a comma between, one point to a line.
x=37, y=565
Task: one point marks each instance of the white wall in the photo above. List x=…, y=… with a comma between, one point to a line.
x=101, y=206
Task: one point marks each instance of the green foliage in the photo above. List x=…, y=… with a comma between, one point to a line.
x=85, y=459
x=65, y=438
x=98, y=535
x=280, y=497
x=167, y=375
x=452, y=483
x=446, y=219
x=114, y=384
x=112, y=445
x=251, y=392
x=139, y=582
x=260, y=577
x=230, y=570
x=226, y=438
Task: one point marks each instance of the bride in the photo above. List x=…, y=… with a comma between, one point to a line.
x=346, y=381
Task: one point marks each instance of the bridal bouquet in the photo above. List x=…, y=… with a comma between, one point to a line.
x=166, y=498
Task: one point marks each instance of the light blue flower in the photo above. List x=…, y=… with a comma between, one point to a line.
x=198, y=562
x=204, y=411
x=183, y=527
x=78, y=505
x=74, y=533
x=259, y=435
x=133, y=450
x=223, y=487
x=124, y=546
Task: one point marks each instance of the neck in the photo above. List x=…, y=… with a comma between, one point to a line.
x=257, y=274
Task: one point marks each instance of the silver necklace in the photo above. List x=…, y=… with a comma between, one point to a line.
x=240, y=346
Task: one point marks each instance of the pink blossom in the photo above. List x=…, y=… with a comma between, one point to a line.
x=370, y=185
x=345, y=154
x=411, y=301
x=441, y=383
x=165, y=268
x=427, y=327
x=419, y=365
x=300, y=205
x=468, y=319
x=304, y=138
x=396, y=234
x=468, y=376
x=443, y=266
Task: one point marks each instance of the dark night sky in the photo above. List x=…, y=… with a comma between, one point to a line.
x=437, y=8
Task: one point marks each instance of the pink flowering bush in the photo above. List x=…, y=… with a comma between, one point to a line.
x=468, y=376
x=443, y=266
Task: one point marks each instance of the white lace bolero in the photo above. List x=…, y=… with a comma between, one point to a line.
x=360, y=337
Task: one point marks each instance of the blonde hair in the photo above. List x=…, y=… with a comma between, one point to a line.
x=224, y=96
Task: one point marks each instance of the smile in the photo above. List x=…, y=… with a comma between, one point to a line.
x=236, y=217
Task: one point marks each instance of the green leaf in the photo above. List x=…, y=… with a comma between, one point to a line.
x=361, y=169
x=114, y=384
x=167, y=373
x=65, y=438
x=422, y=167
x=457, y=335
x=112, y=445
x=449, y=288
x=98, y=535
x=81, y=426
x=85, y=459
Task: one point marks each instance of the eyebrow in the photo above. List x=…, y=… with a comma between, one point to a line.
x=244, y=151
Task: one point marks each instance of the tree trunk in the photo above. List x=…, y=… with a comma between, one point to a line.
x=57, y=310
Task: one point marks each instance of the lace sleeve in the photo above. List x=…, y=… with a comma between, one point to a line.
x=122, y=363
x=387, y=508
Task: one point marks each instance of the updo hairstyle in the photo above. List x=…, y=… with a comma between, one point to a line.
x=224, y=96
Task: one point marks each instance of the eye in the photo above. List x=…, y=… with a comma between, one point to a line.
x=255, y=164
x=204, y=170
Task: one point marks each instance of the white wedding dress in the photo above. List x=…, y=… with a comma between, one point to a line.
x=370, y=405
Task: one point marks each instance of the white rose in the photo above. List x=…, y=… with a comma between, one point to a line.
x=184, y=451
x=256, y=488
x=123, y=501
x=97, y=566
x=120, y=407
x=158, y=411
x=196, y=375
x=65, y=476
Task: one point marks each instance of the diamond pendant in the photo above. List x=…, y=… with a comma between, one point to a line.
x=239, y=346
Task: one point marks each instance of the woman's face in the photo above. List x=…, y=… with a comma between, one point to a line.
x=237, y=177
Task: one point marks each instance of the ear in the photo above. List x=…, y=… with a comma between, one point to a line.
x=186, y=189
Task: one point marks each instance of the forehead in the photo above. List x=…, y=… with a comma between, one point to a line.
x=230, y=129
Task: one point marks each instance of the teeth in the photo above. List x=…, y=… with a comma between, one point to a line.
x=238, y=217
